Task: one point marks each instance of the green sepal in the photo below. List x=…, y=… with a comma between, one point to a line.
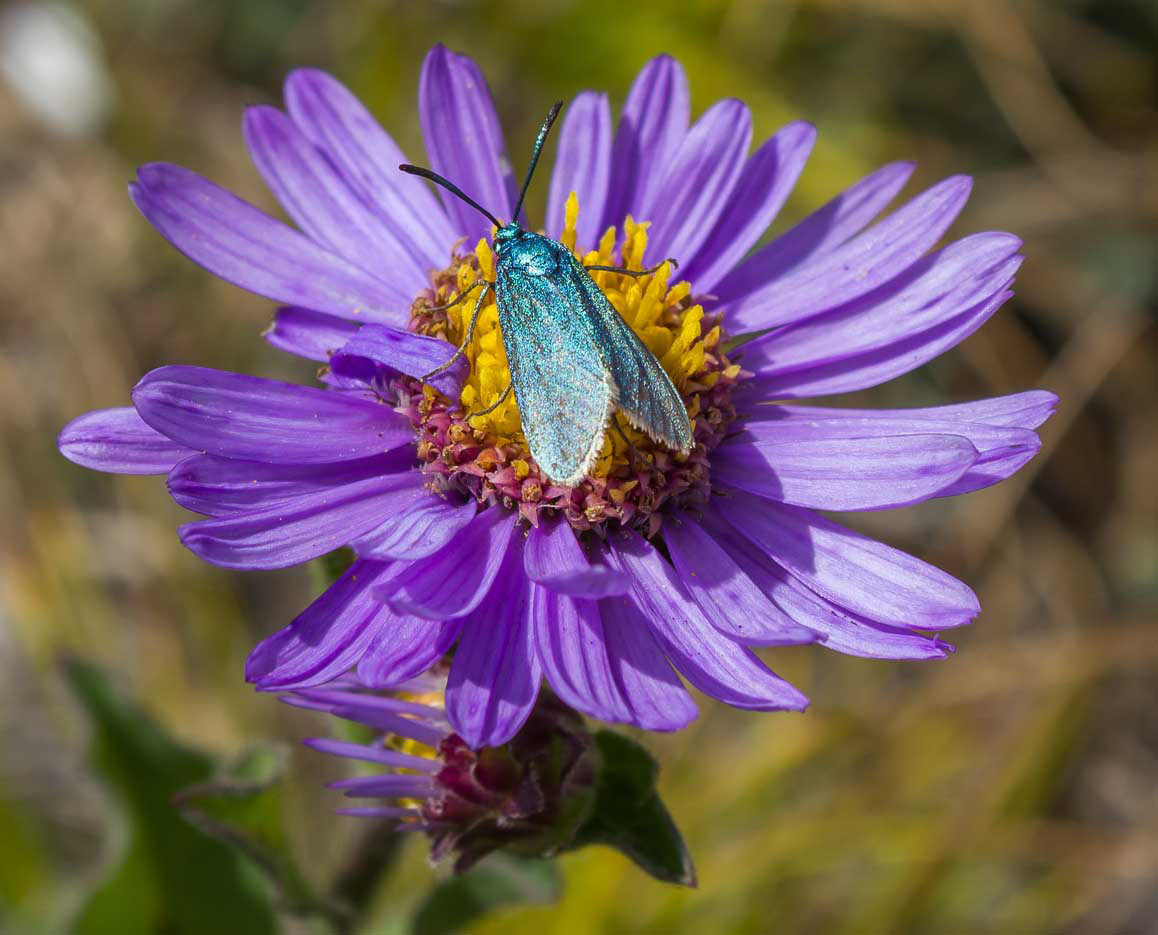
x=629, y=815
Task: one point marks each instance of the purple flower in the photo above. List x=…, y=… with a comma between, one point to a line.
x=531, y=794
x=655, y=564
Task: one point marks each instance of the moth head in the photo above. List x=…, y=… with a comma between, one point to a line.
x=507, y=234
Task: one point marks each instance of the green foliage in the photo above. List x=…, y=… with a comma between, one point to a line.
x=243, y=808
x=629, y=815
x=499, y=880
x=171, y=878
x=19, y=879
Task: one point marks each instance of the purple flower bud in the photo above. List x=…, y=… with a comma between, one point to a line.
x=529, y=795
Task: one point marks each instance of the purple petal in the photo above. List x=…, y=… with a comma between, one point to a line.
x=988, y=422
x=768, y=178
x=421, y=523
x=715, y=664
x=1025, y=410
x=412, y=354
x=1003, y=449
x=383, y=811
x=727, y=597
x=652, y=691
x=250, y=249
x=494, y=678
x=554, y=559
x=842, y=472
x=818, y=234
x=369, y=710
x=309, y=334
x=372, y=754
x=352, y=699
x=571, y=649
x=856, y=267
x=117, y=441
x=453, y=581
x=295, y=531
x=651, y=128
x=937, y=289
x=700, y=180
x=405, y=647
x=464, y=140
x=582, y=166
x=326, y=639
x=401, y=786
x=841, y=373
x=221, y=486
x=253, y=419
x=841, y=630
x=320, y=202
x=867, y=577
x=335, y=121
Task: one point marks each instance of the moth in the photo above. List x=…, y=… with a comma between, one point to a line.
x=574, y=361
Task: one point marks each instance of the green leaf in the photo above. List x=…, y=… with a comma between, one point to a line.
x=629, y=815
x=244, y=808
x=171, y=877
x=498, y=880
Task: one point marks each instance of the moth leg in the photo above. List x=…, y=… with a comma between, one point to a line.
x=633, y=272
x=466, y=340
x=632, y=451
x=495, y=405
x=458, y=298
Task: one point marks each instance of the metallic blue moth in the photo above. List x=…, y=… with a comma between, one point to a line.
x=574, y=361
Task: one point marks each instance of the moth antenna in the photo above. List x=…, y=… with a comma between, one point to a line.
x=452, y=188
x=535, y=152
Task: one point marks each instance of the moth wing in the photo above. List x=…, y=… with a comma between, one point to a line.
x=564, y=392
x=645, y=393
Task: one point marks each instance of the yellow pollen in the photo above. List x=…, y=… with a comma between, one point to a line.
x=656, y=310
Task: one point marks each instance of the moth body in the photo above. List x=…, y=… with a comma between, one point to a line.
x=573, y=360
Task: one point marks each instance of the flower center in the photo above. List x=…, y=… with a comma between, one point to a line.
x=486, y=456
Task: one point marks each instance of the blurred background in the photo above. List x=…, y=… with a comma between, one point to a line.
x=1010, y=788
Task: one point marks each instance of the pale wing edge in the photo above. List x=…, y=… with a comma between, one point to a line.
x=592, y=454
x=607, y=318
